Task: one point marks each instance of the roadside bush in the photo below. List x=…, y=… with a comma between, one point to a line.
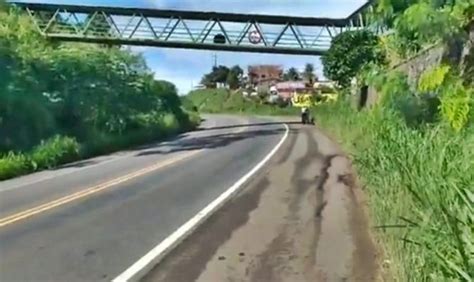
x=104, y=99
x=414, y=150
x=194, y=119
x=55, y=151
x=419, y=184
x=50, y=153
x=169, y=124
x=343, y=62
x=188, y=105
x=13, y=165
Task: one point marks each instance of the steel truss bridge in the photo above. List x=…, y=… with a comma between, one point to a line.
x=191, y=29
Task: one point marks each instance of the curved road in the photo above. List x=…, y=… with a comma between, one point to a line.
x=98, y=234
x=292, y=211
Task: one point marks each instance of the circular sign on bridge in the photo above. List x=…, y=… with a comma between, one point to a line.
x=255, y=37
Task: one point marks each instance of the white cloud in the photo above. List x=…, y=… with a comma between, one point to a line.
x=183, y=83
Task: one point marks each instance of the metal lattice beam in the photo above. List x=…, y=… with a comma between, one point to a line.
x=192, y=30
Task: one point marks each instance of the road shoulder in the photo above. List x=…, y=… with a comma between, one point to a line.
x=299, y=220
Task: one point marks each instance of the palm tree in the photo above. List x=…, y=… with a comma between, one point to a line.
x=308, y=73
x=291, y=74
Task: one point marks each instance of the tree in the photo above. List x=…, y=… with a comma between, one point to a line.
x=349, y=52
x=387, y=10
x=291, y=74
x=238, y=71
x=308, y=73
x=234, y=77
x=217, y=75
x=220, y=74
x=208, y=81
x=86, y=93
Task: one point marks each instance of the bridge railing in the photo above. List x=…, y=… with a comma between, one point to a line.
x=185, y=29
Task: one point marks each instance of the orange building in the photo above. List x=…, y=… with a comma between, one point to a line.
x=270, y=74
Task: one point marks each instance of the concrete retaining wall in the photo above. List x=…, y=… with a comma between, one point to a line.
x=458, y=53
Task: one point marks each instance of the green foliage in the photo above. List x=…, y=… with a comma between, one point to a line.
x=431, y=80
x=3, y=5
x=209, y=100
x=398, y=97
x=308, y=73
x=222, y=101
x=349, y=52
x=48, y=154
x=387, y=10
x=423, y=24
x=12, y=165
x=417, y=24
x=223, y=75
x=417, y=172
x=188, y=105
x=291, y=74
x=456, y=102
x=55, y=151
x=455, y=98
x=170, y=122
x=99, y=96
x=326, y=89
x=234, y=77
x=419, y=187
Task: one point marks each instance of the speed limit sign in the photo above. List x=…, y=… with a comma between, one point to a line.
x=255, y=37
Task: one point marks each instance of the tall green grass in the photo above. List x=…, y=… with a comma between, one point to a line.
x=59, y=150
x=50, y=153
x=223, y=101
x=420, y=185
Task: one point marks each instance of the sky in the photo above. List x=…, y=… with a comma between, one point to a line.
x=186, y=67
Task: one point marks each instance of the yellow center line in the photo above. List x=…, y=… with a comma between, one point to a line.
x=92, y=190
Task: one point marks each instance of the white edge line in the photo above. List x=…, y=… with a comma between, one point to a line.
x=140, y=268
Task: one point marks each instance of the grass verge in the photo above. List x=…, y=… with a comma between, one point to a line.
x=59, y=150
x=224, y=101
x=419, y=184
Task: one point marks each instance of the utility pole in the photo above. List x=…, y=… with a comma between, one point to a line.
x=215, y=59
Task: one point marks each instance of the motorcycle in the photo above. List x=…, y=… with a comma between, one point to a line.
x=306, y=118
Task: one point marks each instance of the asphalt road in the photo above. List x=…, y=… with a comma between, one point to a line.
x=91, y=220
x=301, y=219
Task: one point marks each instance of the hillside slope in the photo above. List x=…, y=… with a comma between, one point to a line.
x=225, y=101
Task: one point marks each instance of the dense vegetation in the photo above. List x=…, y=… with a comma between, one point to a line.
x=223, y=75
x=224, y=89
x=234, y=78
x=62, y=102
x=414, y=150
x=342, y=61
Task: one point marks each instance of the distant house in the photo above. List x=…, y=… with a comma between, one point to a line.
x=265, y=74
x=286, y=89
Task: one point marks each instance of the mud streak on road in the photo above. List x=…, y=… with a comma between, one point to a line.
x=280, y=228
